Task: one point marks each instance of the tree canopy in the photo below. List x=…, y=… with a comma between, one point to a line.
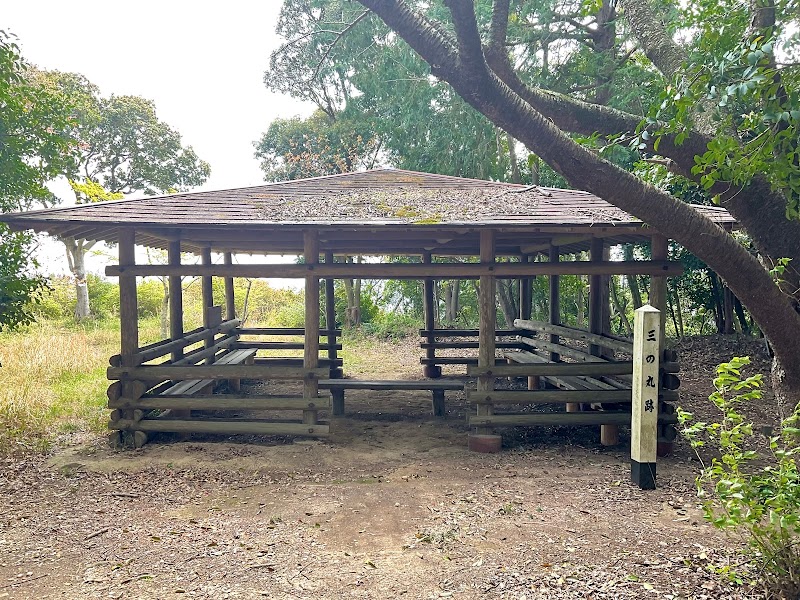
x=122, y=148
x=34, y=147
x=707, y=91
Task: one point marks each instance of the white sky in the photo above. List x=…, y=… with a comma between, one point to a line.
x=202, y=63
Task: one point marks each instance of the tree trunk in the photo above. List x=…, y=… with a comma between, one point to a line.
x=620, y=307
x=246, y=303
x=460, y=61
x=452, y=296
x=352, y=289
x=508, y=300
x=633, y=281
x=76, y=259
x=516, y=177
x=580, y=304
x=737, y=306
x=678, y=309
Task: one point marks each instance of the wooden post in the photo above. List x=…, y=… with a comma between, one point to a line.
x=727, y=310
x=555, y=302
x=330, y=324
x=129, y=330
x=429, y=308
x=175, y=298
x=644, y=408
x=599, y=313
x=525, y=293
x=128, y=303
x=488, y=323
x=230, y=297
x=207, y=290
x=311, y=350
x=659, y=246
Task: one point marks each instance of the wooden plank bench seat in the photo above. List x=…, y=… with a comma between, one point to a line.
x=190, y=387
x=565, y=382
x=437, y=388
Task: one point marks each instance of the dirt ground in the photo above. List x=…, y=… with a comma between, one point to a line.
x=391, y=505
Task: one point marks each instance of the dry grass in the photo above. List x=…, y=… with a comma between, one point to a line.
x=53, y=381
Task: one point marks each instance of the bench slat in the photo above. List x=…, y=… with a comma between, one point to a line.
x=362, y=384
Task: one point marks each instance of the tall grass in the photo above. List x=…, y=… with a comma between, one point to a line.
x=53, y=380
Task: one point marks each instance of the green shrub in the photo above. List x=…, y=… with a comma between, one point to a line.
x=392, y=326
x=289, y=315
x=749, y=494
x=103, y=297
x=150, y=294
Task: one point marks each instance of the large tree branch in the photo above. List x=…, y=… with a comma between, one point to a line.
x=582, y=168
x=652, y=34
x=470, y=50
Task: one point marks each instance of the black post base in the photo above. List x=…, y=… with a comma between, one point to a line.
x=643, y=475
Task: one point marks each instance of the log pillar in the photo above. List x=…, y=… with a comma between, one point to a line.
x=555, y=301
x=599, y=322
x=658, y=283
x=128, y=303
x=727, y=310
x=487, y=309
x=525, y=292
x=230, y=295
x=335, y=372
x=311, y=345
x=175, y=298
x=429, y=308
x=207, y=291
x=129, y=334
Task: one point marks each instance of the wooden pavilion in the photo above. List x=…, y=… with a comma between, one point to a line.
x=499, y=228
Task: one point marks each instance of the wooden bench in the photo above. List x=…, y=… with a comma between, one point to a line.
x=567, y=382
x=190, y=387
x=437, y=389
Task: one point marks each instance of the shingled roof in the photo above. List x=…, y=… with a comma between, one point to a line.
x=379, y=199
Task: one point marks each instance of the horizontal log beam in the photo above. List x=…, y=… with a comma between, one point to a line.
x=464, y=345
x=455, y=360
x=554, y=369
x=363, y=384
x=157, y=350
x=156, y=373
x=549, y=396
x=575, y=334
x=291, y=361
x=221, y=402
x=562, y=350
x=599, y=417
x=440, y=333
x=284, y=331
x=572, y=418
x=220, y=427
x=195, y=356
x=406, y=271
x=243, y=344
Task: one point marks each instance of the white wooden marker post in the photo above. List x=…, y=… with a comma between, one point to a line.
x=644, y=417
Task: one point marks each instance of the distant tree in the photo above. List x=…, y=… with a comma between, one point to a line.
x=34, y=148
x=123, y=149
x=319, y=145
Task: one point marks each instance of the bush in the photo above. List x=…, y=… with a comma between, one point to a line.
x=103, y=297
x=755, y=496
x=150, y=296
x=392, y=326
x=289, y=315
